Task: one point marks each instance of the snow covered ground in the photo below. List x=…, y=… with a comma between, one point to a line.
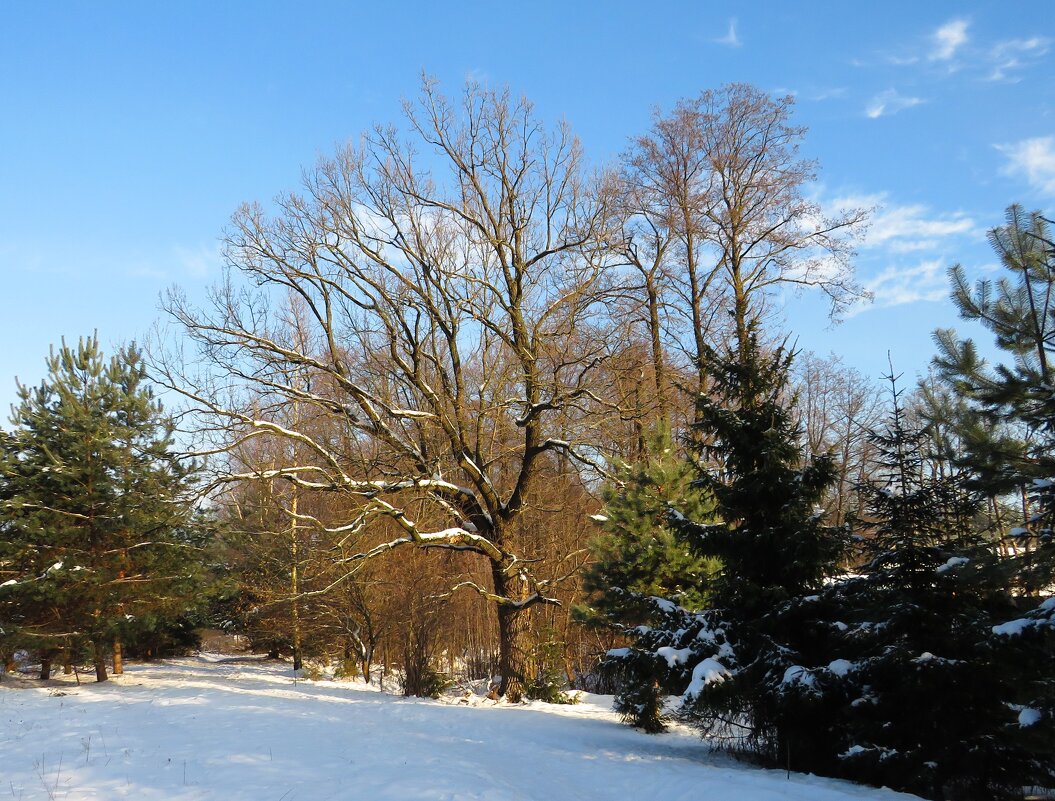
x=202, y=728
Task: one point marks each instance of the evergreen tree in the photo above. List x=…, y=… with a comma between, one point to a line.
x=639, y=559
x=96, y=532
x=1009, y=438
x=730, y=663
x=638, y=556
x=924, y=701
x=1009, y=430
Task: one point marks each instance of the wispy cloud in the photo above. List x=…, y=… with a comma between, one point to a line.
x=903, y=227
x=890, y=102
x=952, y=48
x=914, y=227
x=731, y=38
x=1034, y=160
x=949, y=38
x=827, y=94
x=1012, y=55
x=896, y=286
x=910, y=244
x=813, y=94
x=198, y=262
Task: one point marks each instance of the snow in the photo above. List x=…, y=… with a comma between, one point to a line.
x=240, y=730
x=797, y=674
x=1029, y=716
x=1013, y=627
x=953, y=563
x=840, y=667
x=664, y=605
x=1041, y=616
x=709, y=671
x=674, y=656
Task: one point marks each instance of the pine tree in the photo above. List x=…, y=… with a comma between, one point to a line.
x=1009, y=435
x=731, y=661
x=915, y=681
x=638, y=556
x=1009, y=439
x=96, y=520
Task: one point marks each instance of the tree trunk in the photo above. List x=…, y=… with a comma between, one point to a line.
x=45, y=667
x=100, y=662
x=119, y=666
x=510, y=629
x=367, y=659
x=294, y=543
x=658, y=358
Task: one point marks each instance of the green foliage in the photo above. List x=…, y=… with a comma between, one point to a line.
x=1007, y=422
x=549, y=682
x=96, y=535
x=772, y=541
x=639, y=558
x=347, y=669
x=638, y=555
x=1006, y=425
x=927, y=701
x=728, y=661
x=423, y=680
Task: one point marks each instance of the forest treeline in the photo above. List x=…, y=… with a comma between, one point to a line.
x=469, y=407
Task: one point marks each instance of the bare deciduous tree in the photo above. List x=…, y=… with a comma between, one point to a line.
x=717, y=210
x=838, y=406
x=452, y=315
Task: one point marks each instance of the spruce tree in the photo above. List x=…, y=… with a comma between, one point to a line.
x=731, y=662
x=926, y=703
x=96, y=519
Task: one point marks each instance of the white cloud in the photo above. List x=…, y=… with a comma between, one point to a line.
x=198, y=262
x=1034, y=160
x=178, y=263
x=912, y=228
x=828, y=94
x=1014, y=54
x=730, y=38
x=949, y=38
x=902, y=61
x=951, y=49
x=890, y=102
x=895, y=286
x=910, y=245
x=904, y=228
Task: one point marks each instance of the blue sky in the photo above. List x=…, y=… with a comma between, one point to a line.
x=129, y=132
